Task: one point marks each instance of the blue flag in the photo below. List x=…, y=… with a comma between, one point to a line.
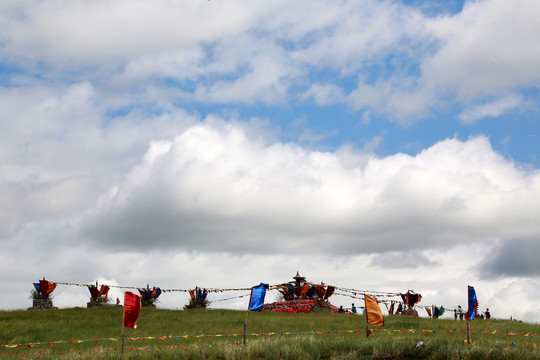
x=473, y=303
x=256, y=300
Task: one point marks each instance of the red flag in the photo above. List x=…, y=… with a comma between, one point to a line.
x=132, y=308
x=373, y=311
x=47, y=287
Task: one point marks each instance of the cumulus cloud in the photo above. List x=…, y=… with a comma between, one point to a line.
x=512, y=258
x=408, y=61
x=486, y=49
x=213, y=182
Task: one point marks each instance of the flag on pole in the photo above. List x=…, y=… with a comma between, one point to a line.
x=256, y=300
x=373, y=311
x=132, y=308
x=473, y=303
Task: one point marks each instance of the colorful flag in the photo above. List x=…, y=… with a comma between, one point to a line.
x=256, y=300
x=428, y=310
x=473, y=303
x=46, y=287
x=391, y=311
x=441, y=311
x=329, y=292
x=373, y=311
x=132, y=308
x=156, y=292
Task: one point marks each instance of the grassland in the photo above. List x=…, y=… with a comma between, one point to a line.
x=217, y=334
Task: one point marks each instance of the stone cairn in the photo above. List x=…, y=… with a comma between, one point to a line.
x=197, y=299
x=302, y=296
x=41, y=295
x=99, y=297
x=410, y=299
x=149, y=297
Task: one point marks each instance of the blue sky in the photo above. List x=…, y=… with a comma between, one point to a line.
x=384, y=139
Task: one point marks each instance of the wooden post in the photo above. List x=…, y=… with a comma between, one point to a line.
x=245, y=327
x=367, y=331
x=468, y=331
x=123, y=339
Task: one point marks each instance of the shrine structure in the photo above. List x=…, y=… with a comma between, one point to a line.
x=99, y=296
x=41, y=295
x=197, y=299
x=410, y=299
x=149, y=297
x=302, y=296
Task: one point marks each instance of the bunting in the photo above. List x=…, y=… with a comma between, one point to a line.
x=416, y=332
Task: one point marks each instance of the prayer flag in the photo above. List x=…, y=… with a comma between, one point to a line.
x=155, y=293
x=46, y=287
x=132, y=308
x=441, y=311
x=329, y=292
x=104, y=290
x=473, y=303
x=256, y=300
x=428, y=310
x=373, y=311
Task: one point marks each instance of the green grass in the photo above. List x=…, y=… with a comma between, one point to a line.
x=216, y=334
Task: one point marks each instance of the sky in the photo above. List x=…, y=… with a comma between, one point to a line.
x=370, y=144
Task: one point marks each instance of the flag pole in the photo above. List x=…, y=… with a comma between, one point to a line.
x=365, y=312
x=123, y=318
x=468, y=330
x=245, y=327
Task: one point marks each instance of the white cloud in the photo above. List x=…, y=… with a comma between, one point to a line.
x=241, y=52
x=492, y=109
x=277, y=197
x=94, y=31
x=324, y=94
x=486, y=49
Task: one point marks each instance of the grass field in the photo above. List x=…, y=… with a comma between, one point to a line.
x=217, y=334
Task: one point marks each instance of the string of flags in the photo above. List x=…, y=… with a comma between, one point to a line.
x=310, y=332
x=323, y=291
x=372, y=293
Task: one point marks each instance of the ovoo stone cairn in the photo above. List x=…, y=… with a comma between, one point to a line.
x=41, y=295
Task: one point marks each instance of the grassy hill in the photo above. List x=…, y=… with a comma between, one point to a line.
x=217, y=334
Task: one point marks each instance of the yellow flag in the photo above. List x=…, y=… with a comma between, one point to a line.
x=373, y=311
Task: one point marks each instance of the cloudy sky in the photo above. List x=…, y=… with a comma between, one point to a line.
x=379, y=145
